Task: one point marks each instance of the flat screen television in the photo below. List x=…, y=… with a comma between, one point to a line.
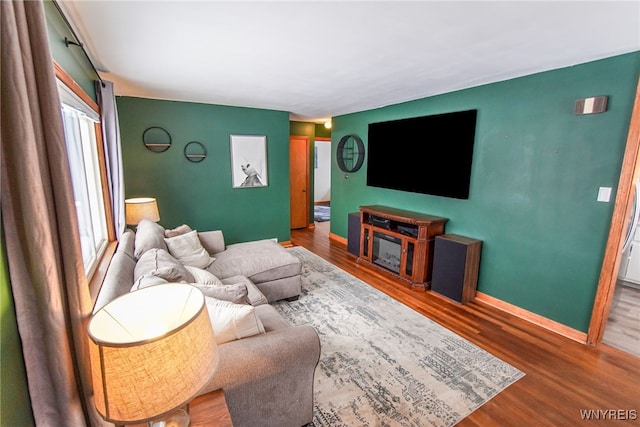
x=428, y=155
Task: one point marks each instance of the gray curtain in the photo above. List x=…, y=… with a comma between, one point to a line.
x=39, y=221
x=113, y=152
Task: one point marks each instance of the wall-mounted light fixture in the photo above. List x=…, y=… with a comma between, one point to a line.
x=593, y=105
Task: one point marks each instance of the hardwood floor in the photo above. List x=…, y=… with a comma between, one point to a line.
x=565, y=381
x=623, y=326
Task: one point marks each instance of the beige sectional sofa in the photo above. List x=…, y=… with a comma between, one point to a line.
x=266, y=366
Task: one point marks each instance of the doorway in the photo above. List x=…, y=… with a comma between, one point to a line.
x=322, y=180
x=619, y=224
x=622, y=330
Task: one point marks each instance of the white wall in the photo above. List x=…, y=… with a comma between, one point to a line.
x=322, y=172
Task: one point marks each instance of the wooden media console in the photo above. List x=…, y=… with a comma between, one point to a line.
x=399, y=242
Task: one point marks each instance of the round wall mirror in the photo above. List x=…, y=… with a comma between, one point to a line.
x=350, y=153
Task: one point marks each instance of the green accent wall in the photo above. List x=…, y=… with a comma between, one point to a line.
x=201, y=194
x=312, y=130
x=303, y=128
x=536, y=172
x=322, y=132
x=71, y=58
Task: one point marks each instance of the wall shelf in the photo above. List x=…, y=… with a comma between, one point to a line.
x=156, y=139
x=195, y=152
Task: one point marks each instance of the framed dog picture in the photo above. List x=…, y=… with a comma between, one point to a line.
x=249, y=161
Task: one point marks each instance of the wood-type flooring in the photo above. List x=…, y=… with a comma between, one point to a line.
x=567, y=383
x=623, y=325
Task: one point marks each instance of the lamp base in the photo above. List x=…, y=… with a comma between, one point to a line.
x=177, y=418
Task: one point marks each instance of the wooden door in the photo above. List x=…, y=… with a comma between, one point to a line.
x=299, y=180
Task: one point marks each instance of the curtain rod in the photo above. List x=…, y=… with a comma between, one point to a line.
x=68, y=42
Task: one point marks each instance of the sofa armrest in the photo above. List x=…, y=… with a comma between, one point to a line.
x=268, y=378
x=117, y=281
x=212, y=241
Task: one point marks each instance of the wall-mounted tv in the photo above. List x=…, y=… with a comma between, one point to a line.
x=428, y=155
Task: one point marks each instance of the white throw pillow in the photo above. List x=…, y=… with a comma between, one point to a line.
x=203, y=277
x=231, y=321
x=187, y=249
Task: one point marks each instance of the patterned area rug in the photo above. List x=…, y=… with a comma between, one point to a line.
x=384, y=364
x=321, y=213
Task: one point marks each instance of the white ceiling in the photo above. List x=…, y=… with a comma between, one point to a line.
x=318, y=59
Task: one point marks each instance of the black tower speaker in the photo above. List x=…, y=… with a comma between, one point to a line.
x=353, y=233
x=456, y=261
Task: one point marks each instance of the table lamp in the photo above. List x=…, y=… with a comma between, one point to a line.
x=152, y=351
x=139, y=208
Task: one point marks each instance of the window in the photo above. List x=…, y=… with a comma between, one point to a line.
x=82, y=130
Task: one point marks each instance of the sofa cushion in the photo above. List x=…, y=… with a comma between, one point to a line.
x=212, y=241
x=203, y=277
x=260, y=261
x=276, y=290
x=232, y=321
x=254, y=295
x=149, y=235
x=159, y=263
x=179, y=230
x=187, y=249
x=146, y=281
x=270, y=318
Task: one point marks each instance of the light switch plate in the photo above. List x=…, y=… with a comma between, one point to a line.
x=604, y=194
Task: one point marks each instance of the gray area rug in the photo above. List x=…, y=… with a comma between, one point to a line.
x=382, y=363
x=321, y=213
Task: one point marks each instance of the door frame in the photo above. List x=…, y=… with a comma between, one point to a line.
x=618, y=229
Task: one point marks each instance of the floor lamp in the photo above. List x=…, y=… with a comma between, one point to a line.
x=139, y=208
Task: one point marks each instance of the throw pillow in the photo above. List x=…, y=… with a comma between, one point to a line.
x=179, y=230
x=254, y=295
x=203, y=277
x=236, y=294
x=146, y=281
x=159, y=263
x=188, y=250
x=232, y=321
x=149, y=235
x=212, y=241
